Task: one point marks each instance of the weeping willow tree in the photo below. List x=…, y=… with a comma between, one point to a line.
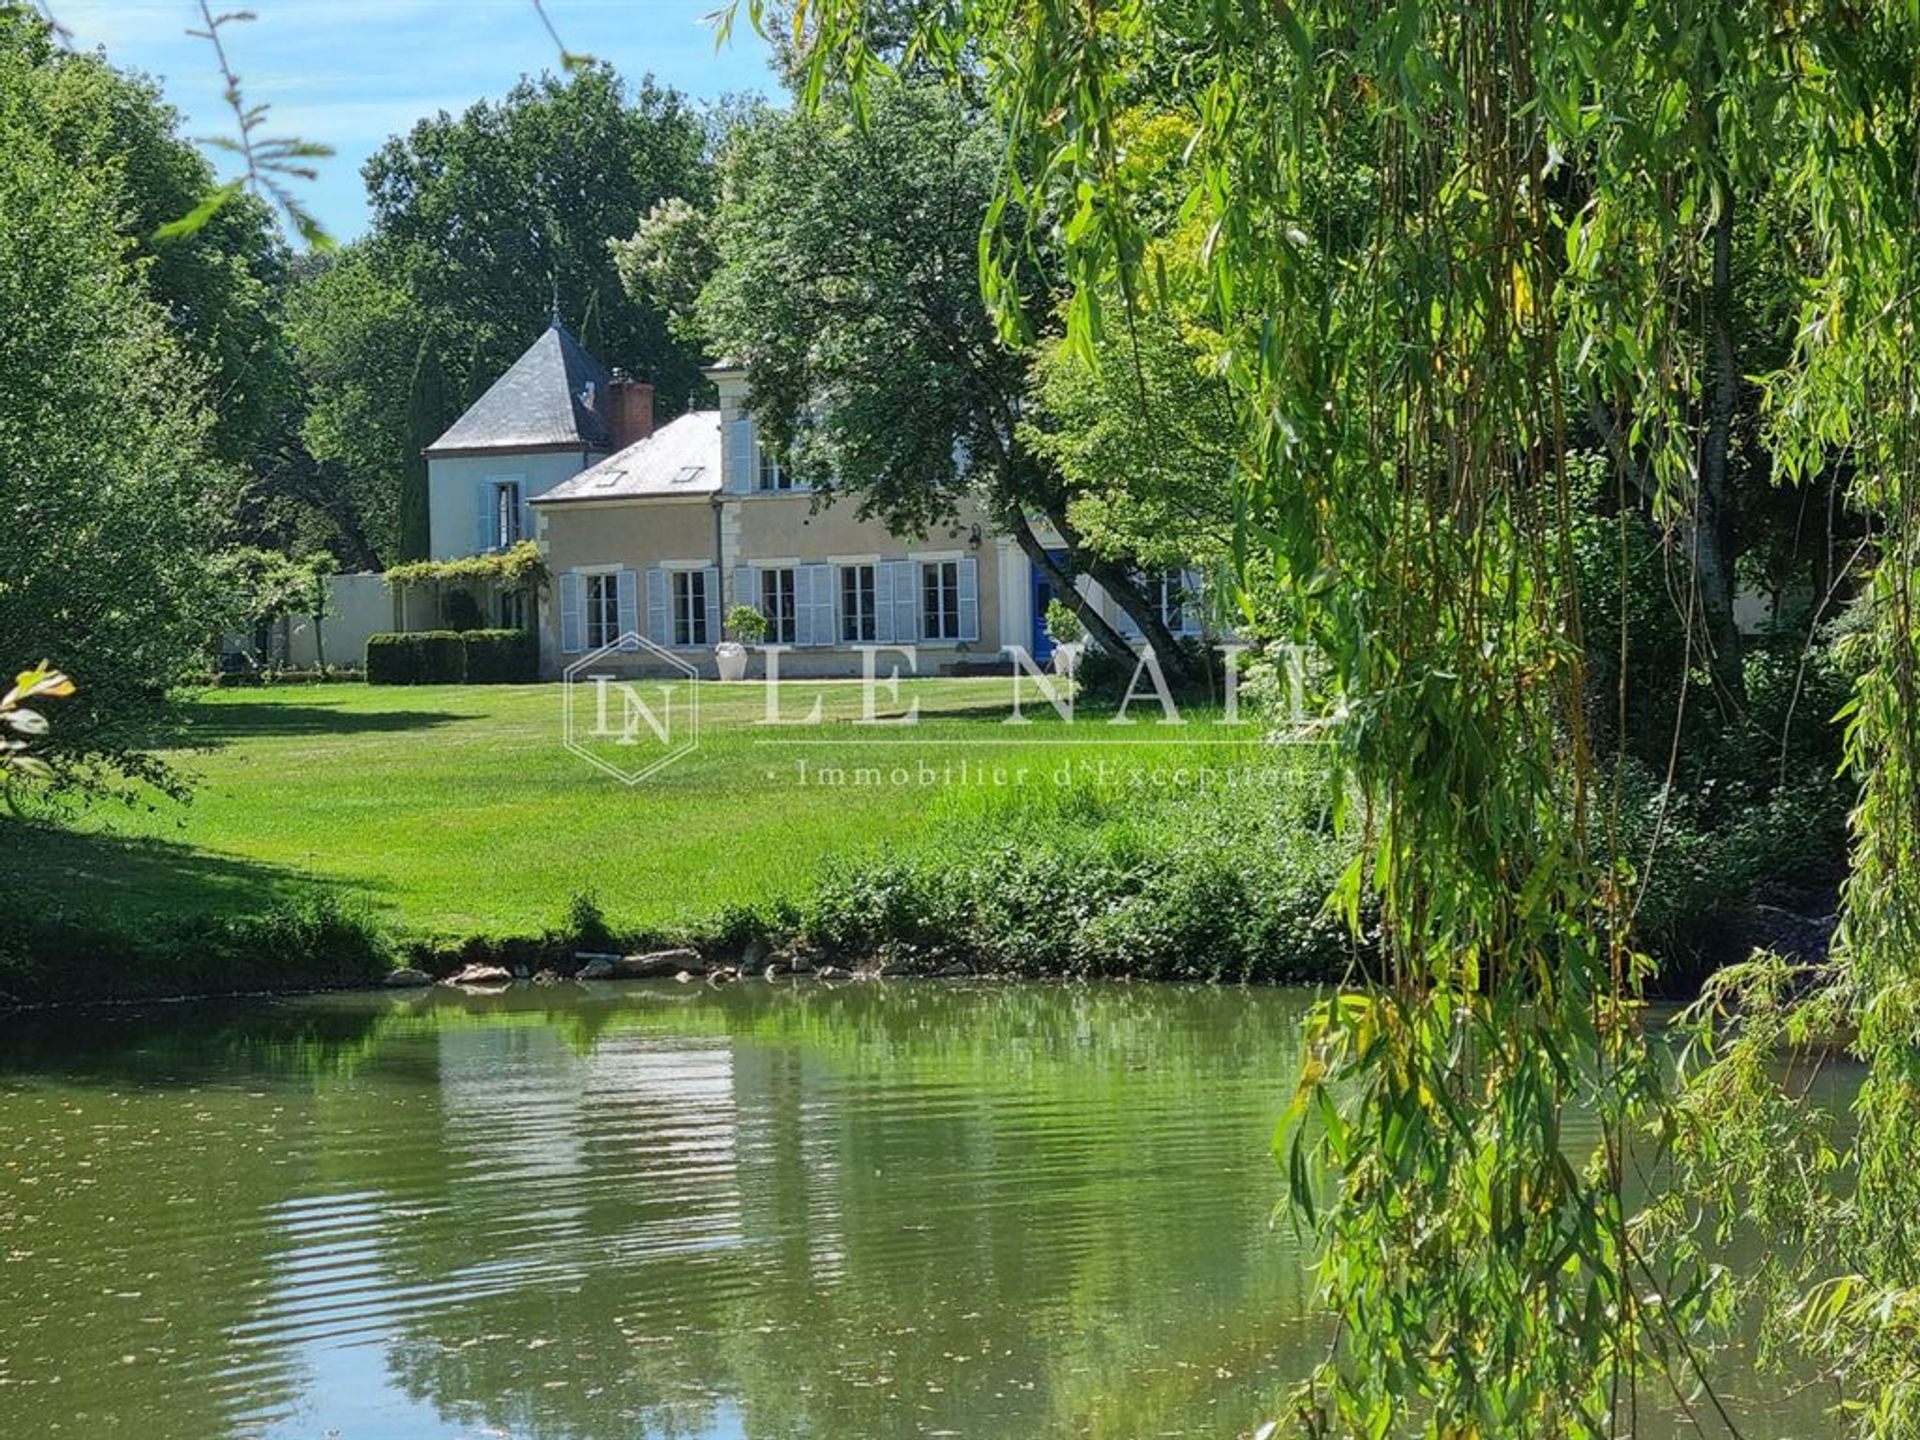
x=1447, y=245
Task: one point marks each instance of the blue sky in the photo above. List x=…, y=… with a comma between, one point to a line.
x=350, y=73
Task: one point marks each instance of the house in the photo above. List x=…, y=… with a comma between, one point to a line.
x=660, y=532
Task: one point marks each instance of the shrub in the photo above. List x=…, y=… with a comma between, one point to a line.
x=311, y=941
x=585, y=927
x=746, y=624
x=1063, y=626
x=391, y=660
x=443, y=657
x=501, y=657
x=426, y=657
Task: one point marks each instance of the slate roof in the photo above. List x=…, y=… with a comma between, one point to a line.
x=682, y=457
x=541, y=402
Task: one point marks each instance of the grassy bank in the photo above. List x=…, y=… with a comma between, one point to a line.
x=335, y=828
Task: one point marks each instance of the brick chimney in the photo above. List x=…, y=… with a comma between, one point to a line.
x=629, y=409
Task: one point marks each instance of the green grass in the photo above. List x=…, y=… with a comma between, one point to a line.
x=456, y=811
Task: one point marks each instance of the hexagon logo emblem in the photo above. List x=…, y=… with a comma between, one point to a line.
x=627, y=727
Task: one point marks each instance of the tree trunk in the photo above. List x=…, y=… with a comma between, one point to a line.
x=1144, y=613
x=1097, y=624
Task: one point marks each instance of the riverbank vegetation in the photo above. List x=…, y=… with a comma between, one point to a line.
x=337, y=830
x=332, y=827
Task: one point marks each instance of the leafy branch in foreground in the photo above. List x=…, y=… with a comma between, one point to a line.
x=569, y=59
x=39, y=683
x=272, y=162
x=1434, y=234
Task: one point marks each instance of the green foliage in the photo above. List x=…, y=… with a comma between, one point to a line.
x=1063, y=625
x=500, y=657
x=585, y=926
x=314, y=941
x=115, y=498
x=746, y=624
x=1552, y=198
x=424, y=657
x=453, y=657
x=265, y=585
x=667, y=262
x=845, y=268
x=375, y=397
x=1144, y=433
x=220, y=285
x=846, y=284
x=516, y=568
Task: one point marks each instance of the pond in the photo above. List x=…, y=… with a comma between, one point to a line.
x=849, y=1213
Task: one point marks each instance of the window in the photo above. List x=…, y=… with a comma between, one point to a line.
x=689, y=607
x=603, y=610
x=505, y=529
x=1169, y=591
x=776, y=603
x=856, y=604
x=940, y=600
x=773, y=474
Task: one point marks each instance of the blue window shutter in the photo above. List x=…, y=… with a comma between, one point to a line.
x=713, y=604
x=746, y=587
x=905, y=601
x=969, y=598
x=823, y=631
x=883, y=628
x=659, y=619
x=526, y=509
x=484, y=534
x=629, y=599
x=573, y=613
x=803, y=605
x=740, y=456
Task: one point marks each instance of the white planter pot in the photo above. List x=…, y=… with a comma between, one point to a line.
x=731, y=660
x=1066, y=658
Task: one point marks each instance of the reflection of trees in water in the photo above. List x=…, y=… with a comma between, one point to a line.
x=862, y=1211
x=893, y=1192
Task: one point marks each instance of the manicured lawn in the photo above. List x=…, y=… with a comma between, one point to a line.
x=457, y=810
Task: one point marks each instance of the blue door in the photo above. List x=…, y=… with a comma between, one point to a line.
x=1043, y=595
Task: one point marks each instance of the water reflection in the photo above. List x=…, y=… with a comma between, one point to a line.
x=802, y=1212
x=914, y=1210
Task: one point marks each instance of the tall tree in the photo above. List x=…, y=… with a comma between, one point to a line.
x=375, y=400
x=846, y=283
x=221, y=285
x=115, y=495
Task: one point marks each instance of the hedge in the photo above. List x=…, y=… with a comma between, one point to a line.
x=501, y=657
x=448, y=657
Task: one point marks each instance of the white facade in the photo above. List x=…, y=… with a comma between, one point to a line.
x=464, y=511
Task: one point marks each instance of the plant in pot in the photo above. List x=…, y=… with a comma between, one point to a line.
x=745, y=626
x=1068, y=636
